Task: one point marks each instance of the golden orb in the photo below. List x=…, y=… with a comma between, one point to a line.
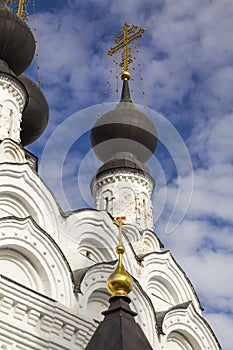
x=120, y=283
x=125, y=75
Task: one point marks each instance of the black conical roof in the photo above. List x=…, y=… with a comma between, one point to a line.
x=118, y=330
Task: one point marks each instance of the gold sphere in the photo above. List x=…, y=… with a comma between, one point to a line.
x=120, y=283
x=120, y=249
x=125, y=75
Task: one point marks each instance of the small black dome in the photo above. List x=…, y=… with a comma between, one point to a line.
x=17, y=44
x=36, y=113
x=124, y=129
x=123, y=160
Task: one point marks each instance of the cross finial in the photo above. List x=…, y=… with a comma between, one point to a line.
x=130, y=33
x=119, y=221
x=21, y=8
x=120, y=283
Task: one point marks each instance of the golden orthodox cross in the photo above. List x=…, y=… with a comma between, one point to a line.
x=119, y=222
x=130, y=33
x=22, y=8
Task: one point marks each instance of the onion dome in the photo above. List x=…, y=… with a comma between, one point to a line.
x=123, y=160
x=17, y=43
x=36, y=113
x=124, y=129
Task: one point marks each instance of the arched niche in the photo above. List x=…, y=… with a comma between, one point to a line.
x=183, y=328
x=181, y=341
x=23, y=193
x=94, y=249
x=29, y=256
x=151, y=241
x=162, y=275
x=13, y=204
x=98, y=302
x=162, y=292
x=16, y=265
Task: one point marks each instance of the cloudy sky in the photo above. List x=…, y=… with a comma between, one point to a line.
x=187, y=66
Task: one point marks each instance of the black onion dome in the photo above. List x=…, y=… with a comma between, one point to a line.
x=36, y=113
x=17, y=43
x=123, y=160
x=124, y=129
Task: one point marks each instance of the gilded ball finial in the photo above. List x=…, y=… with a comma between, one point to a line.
x=125, y=75
x=120, y=283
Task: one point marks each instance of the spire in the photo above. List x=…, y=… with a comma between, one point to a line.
x=118, y=330
x=125, y=94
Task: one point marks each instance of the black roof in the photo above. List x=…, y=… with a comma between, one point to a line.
x=118, y=330
x=36, y=112
x=17, y=43
x=124, y=129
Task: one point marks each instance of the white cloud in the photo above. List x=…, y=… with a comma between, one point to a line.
x=222, y=325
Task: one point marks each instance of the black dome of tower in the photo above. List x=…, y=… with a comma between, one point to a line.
x=124, y=129
x=17, y=49
x=17, y=43
x=36, y=113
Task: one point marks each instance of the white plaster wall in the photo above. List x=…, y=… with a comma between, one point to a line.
x=124, y=193
x=12, y=101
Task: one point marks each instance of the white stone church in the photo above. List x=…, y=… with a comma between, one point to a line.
x=54, y=266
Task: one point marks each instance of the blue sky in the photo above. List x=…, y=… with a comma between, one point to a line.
x=187, y=58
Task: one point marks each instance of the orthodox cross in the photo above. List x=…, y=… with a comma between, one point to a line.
x=21, y=8
x=130, y=33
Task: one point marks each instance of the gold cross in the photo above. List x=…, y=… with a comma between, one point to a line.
x=119, y=222
x=123, y=41
x=22, y=12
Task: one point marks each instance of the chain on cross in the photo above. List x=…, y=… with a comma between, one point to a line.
x=129, y=33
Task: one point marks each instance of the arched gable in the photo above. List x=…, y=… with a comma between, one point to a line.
x=89, y=233
x=29, y=256
x=23, y=193
x=185, y=329
x=166, y=283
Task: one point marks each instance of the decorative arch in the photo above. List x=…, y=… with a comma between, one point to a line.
x=179, y=341
x=29, y=256
x=95, y=250
x=15, y=265
x=184, y=327
x=98, y=302
x=163, y=278
x=93, y=234
x=11, y=152
x=13, y=204
x=23, y=193
x=151, y=241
